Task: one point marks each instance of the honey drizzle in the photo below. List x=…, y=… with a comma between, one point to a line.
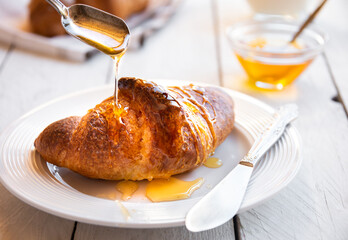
x=106, y=41
x=204, y=113
x=116, y=60
x=196, y=140
x=193, y=127
x=124, y=210
x=205, y=100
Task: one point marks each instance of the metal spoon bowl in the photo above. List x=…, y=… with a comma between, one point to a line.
x=99, y=29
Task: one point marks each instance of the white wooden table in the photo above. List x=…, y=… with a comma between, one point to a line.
x=193, y=47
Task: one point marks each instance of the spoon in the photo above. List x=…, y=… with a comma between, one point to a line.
x=101, y=30
x=308, y=21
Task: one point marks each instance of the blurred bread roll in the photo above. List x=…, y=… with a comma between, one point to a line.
x=44, y=19
x=120, y=8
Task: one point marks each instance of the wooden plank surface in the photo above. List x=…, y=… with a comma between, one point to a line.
x=313, y=206
x=26, y=81
x=224, y=232
x=337, y=47
x=4, y=51
x=183, y=50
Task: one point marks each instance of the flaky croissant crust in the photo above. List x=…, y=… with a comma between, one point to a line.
x=155, y=132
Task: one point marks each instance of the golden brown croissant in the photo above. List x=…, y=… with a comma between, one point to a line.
x=155, y=133
x=44, y=20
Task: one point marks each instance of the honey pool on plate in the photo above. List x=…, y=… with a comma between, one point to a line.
x=127, y=188
x=213, y=162
x=160, y=190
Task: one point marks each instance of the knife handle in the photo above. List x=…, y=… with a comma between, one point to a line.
x=270, y=134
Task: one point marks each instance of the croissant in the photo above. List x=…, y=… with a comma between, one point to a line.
x=155, y=132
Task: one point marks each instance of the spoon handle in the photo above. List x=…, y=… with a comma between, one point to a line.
x=60, y=7
x=308, y=21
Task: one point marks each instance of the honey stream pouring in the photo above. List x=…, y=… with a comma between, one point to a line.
x=101, y=30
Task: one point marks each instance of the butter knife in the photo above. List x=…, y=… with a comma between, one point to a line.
x=225, y=199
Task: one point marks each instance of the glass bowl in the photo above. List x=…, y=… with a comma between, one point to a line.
x=263, y=49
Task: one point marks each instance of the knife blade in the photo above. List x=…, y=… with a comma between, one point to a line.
x=227, y=196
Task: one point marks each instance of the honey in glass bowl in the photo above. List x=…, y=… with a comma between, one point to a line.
x=264, y=51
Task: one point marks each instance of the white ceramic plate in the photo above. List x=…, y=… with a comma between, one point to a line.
x=63, y=193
